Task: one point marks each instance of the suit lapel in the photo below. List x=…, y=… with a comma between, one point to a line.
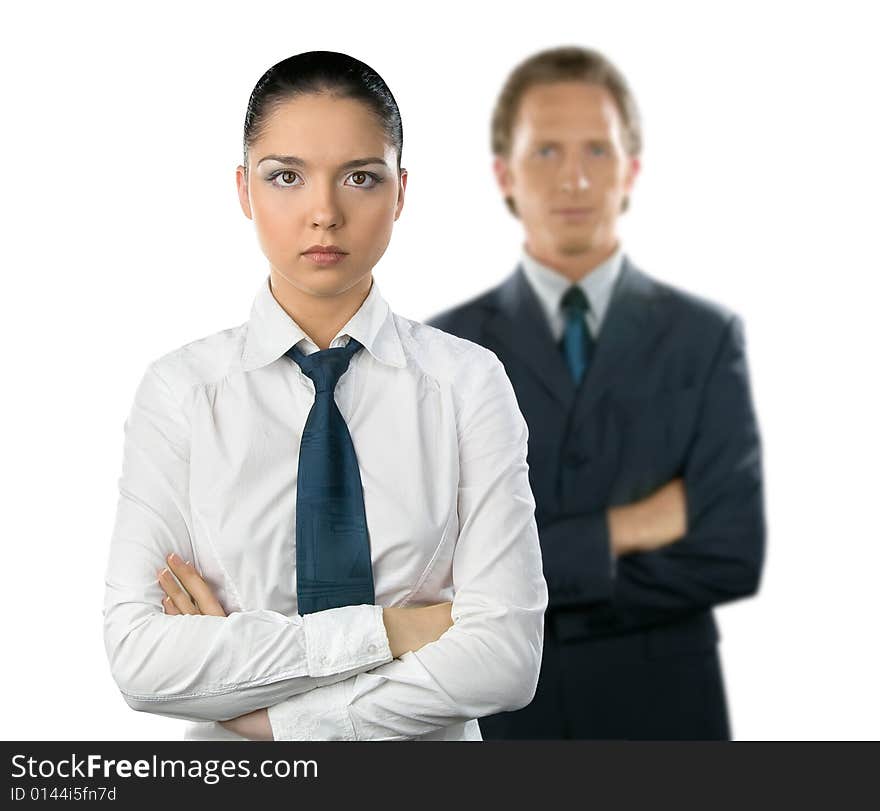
x=630, y=322
x=519, y=325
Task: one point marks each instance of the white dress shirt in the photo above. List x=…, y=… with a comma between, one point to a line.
x=209, y=471
x=550, y=286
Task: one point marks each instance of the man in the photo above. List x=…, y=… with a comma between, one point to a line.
x=644, y=451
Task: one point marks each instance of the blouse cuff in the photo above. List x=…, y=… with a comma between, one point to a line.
x=351, y=637
x=318, y=715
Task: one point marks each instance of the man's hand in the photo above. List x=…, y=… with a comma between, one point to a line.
x=651, y=523
x=412, y=628
x=192, y=595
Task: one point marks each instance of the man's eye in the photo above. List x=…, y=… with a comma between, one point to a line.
x=364, y=180
x=288, y=177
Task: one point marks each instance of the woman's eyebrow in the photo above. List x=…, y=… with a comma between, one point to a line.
x=292, y=160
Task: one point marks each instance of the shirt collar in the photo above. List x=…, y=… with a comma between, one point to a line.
x=550, y=285
x=271, y=331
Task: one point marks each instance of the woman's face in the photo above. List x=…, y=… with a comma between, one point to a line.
x=322, y=173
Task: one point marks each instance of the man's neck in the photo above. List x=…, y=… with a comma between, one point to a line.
x=573, y=266
x=320, y=317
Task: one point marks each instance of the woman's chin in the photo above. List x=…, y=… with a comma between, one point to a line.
x=323, y=282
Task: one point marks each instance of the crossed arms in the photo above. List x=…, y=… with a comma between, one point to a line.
x=408, y=629
x=331, y=674
x=698, y=541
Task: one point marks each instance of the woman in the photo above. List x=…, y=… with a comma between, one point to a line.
x=317, y=484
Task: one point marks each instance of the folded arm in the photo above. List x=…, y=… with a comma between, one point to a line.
x=188, y=594
x=197, y=667
x=660, y=574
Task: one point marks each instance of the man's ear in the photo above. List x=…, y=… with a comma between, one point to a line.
x=632, y=171
x=504, y=178
x=401, y=192
x=241, y=182
x=501, y=168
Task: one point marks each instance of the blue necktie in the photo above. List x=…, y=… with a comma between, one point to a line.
x=577, y=343
x=333, y=565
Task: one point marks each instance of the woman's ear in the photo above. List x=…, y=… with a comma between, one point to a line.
x=241, y=182
x=401, y=191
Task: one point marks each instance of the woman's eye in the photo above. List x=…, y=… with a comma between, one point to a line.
x=288, y=178
x=597, y=149
x=365, y=180
x=546, y=151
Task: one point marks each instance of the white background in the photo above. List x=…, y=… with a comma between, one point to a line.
x=123, y=239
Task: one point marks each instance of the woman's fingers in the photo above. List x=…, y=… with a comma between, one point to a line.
x=179, y=598
x=197, y=588
x=168, y=605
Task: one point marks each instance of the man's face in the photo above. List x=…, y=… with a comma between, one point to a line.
x=568, y=171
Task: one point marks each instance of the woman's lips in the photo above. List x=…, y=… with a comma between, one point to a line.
x=324, y=257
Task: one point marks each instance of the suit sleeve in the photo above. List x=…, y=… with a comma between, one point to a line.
x=720, y=558
x=578, y=563
x=195, y=667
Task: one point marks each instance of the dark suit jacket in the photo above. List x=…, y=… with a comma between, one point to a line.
x=631, y=649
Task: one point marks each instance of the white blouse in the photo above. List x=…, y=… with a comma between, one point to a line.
x=209, y=471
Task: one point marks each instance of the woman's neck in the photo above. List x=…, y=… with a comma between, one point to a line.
x=321, y=317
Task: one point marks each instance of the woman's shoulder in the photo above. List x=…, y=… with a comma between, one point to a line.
x=203, y=360
x=443, y=355
x=472, y=374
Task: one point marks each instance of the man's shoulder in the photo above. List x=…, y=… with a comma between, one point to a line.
x=200, y=361
x=469, y=314
x=687, y=309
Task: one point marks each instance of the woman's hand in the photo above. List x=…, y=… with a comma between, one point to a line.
x=413, y=628
x=254, y=725
x=192, y=595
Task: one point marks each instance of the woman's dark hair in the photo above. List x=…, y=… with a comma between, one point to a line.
x=321, y=72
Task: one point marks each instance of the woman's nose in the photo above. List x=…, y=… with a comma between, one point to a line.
x=324, y=210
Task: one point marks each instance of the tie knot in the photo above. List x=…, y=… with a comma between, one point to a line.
x=326, y=366
x=575, y=299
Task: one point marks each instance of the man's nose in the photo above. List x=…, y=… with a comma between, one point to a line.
x=574, y=175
